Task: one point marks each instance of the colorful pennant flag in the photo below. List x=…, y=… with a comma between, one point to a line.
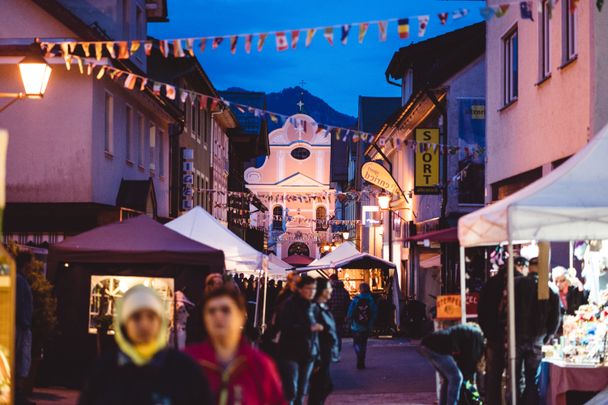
x=502, y=9
x=189, y=46
x=310, y=33
x=130, y=82
x=216, y=42
x=423, y=22
x=261, y=40
x=403, y=28
x=460, y=13
x=486, y=13
x=170, y=92
x=248, y=39
x=363, y=27
x=178, y=51
x=345, y=31
x=382, y=27
x=164, y=47
x=328, y=33
x=295, y=37
x=281, y=41
x=202, y=44
x=233, y=41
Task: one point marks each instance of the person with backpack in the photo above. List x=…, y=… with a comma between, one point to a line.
x=362, y=313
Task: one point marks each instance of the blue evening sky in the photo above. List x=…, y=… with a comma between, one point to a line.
x=337, y=74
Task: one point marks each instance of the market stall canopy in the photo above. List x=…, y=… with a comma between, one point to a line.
x=298, y=260
x=135, y=240
x=448, y=235
x=200, y=226
x=570, y=203
x=346, y=256
x=275, y=263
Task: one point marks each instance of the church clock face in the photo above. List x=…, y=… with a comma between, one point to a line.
x=300, y=153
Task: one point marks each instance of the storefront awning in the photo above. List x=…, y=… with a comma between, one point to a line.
x=298, y=260
x=449, y=235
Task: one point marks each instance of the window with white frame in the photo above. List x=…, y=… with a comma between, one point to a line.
x=108, y=127
x=161, y=153
x=128, y=133
x=152, y=142
x=544, y=38
x=510, y=66
x=569, y=30
x=141, y=140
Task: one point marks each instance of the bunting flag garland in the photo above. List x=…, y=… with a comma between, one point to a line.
x=345, y=31
x=460, y=13
x=443, y=18
x=382, y=28
x=216, y=42
x=487, y=13
x=363, y=27
x=202, y=44
x=295, y=37
x=281, y=41
x=261, y=40
x=248, y=40
x=189, y=46
x=423, y=22
x=501, y=10
x=178, y=51
x=233, y=41
x=328, y=33
x=310, y=33
x=525, y=10
x=403, y=28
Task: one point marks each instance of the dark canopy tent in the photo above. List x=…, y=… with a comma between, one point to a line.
x=137, y=246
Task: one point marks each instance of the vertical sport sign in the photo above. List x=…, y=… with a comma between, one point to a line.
x=427, y=161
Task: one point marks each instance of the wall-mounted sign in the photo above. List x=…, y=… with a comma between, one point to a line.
x=448, y=307
x=187, y=179
x=377, y=174
x=427, y=161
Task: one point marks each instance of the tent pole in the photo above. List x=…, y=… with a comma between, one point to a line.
x=257, y=302
x=570, y=254
x=463, y=287
x=511, y=325
x=265, y=267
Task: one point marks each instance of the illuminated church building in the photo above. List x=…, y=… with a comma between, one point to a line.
x=293, y=182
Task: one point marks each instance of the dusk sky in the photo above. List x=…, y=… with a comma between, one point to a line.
x=337, y=74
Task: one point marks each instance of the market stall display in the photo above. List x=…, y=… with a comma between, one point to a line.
x=565, y=205
x=91, y=270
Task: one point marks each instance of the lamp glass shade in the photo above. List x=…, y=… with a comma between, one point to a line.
x=384, y=201
x=35, y=74
x=326, y=248
x=345, y=235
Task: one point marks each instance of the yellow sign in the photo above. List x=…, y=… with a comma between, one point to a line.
x=449, y=307
x=377, y=174
x=427, y=161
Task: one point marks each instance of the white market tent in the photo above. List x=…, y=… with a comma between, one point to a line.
x=570, y=203
x=197, y=224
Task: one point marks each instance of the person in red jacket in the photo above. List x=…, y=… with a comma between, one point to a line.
x=238, y=374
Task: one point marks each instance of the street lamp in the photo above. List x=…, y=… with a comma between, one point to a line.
x=345, y=235
x=35, y=74
x=384, y=200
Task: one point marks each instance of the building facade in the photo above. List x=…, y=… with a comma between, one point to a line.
x=547, y=84
x=441, y=92
x=90, y=150
x=293, y=182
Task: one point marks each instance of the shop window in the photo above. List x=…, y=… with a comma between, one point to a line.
x=141, y=140
x=277, y=218
x=128, y=133
x=109, y=124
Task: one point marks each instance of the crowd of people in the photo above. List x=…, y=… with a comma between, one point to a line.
x=220, y=365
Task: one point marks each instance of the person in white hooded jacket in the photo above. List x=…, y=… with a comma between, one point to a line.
x=143, y=370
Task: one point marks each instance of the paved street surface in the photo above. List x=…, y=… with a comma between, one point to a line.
x=395, y=375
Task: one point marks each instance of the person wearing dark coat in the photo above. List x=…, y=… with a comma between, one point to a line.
x=492, y=318
x=143, y=370
x=298, y=344
x=338, y=305
x=455, y=353
x=536, y=322
x=320, y=381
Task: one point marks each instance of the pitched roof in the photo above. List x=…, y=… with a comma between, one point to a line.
x=435, y=60
x=134, y=194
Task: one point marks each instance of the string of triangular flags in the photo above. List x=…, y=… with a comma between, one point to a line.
x=133, y=81
x=283, y=39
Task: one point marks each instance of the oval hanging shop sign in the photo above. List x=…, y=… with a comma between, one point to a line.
x=377, y=174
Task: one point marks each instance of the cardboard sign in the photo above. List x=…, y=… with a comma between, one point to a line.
x=427, y=161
